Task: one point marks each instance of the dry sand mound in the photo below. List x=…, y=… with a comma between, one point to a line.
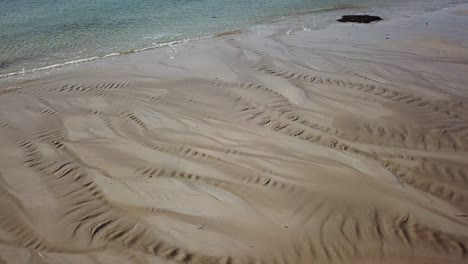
x=298, y=152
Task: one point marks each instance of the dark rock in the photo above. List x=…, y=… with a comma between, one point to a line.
x=359, y=19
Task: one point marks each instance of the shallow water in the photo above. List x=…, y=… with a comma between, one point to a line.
x=41, y=33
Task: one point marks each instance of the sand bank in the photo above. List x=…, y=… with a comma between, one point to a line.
x=342, y=145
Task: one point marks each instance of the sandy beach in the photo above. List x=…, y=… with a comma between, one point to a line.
x=346, y=144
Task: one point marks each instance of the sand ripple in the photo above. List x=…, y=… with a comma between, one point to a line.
x=283, y=163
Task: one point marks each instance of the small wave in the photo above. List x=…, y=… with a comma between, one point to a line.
x=227, y=33
x=79, y=61
x=324, y=9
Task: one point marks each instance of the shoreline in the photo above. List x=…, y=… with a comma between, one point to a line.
x=346, y=144
x=336, y=11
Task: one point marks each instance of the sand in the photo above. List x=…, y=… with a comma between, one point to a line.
x=341, y=145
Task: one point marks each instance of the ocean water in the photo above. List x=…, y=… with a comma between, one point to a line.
x=40, y=34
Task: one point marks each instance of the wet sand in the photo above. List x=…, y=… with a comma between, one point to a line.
x=342, y=145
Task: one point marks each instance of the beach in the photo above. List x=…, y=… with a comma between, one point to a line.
x=345, y=144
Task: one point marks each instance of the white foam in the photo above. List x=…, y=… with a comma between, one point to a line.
x=79, y=61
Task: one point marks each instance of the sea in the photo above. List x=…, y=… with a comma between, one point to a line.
x=37, y=35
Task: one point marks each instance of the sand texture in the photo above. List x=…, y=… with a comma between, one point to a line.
x=343, y=145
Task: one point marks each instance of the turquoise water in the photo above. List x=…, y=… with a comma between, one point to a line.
x=41, y=33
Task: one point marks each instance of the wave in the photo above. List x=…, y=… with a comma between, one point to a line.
x=113, y=54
